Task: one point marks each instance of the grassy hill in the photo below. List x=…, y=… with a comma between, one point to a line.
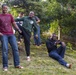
x=40, y=63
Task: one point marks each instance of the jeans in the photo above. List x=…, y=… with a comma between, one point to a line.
x=5, y=39
x=37, y=40
x=58, y=55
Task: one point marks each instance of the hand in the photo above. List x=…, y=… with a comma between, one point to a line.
x=55, y=43
x=1, y=34
x=20, y=31
x=58, y=41
x=36, y=36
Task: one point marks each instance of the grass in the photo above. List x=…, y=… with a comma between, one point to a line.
x=40, y=63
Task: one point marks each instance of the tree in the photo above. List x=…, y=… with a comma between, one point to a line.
x=50, y=11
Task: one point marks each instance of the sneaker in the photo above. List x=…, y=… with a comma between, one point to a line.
x=39, y=45
x=20, y=67
x=5, y=69
x=68, y=65
x=28, y=58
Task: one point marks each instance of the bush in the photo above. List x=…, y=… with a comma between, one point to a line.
x=69, y=46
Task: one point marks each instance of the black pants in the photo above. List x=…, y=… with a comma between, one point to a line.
x=19, y=37
x=26, y=35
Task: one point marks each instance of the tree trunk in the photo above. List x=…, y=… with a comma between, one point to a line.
x=58, y=32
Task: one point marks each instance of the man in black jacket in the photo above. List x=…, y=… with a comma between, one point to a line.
x=57, y=53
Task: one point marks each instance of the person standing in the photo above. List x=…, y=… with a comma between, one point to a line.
x=57, y=53
x=20, y=23
x=37, y=40
x=7, y=36
x=29, y=23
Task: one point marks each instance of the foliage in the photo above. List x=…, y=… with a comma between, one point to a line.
x=69, y=24
x=69, y=45
x=54, y=10
x=54, y=27
x=65, y=12
x=14, y=12
x=27, y=5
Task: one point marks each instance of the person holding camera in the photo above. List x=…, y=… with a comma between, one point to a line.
x=55, y=52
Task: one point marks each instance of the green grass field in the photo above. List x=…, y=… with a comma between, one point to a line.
x=40, y=63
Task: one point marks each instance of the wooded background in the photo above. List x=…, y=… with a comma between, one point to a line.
x=57, y=16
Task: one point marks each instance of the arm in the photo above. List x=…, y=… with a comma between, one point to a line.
x=37, y=19
x=35, y=27
x=15, y=25
x=63, y=44
x=19, y=19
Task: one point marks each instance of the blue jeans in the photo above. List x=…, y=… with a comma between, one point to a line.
x=5, y=39
x=37, y=40
x=58, y=55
